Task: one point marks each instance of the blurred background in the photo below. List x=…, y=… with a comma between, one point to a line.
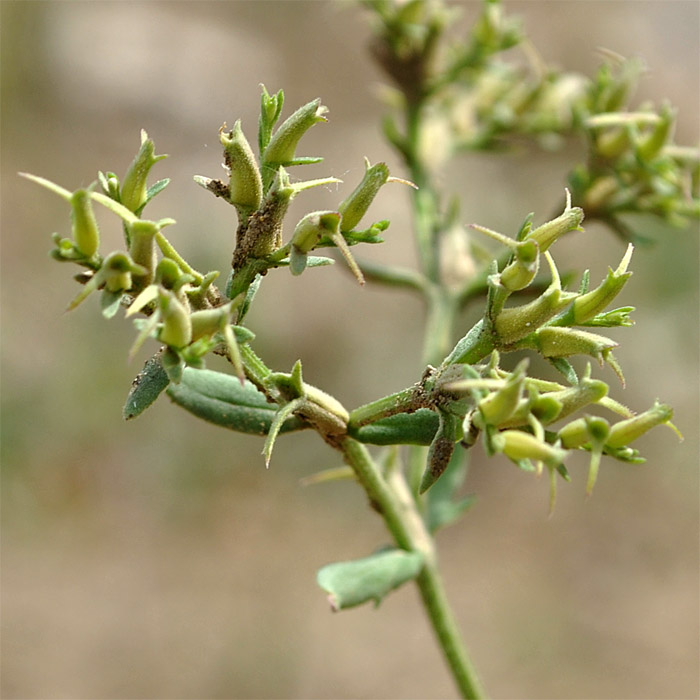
x=158, y=558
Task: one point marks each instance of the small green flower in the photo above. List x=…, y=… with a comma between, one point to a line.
x=134, y=185
x=86, y=233
x=626, y=431
x=547, y=234
x=245, y=187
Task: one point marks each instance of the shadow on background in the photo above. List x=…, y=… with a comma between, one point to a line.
x=158, y=558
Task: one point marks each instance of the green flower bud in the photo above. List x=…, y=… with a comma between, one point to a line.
x=569, y=220
x=116, y=272
x=308, y=233
x=587, y=306
x=553, y=341
x=134, y=186
x=245, y=187
x=142, y=248
x=354, y=207
x=86, y=233
x=500, y=405
x=626, y=431
x=518, y=445
x=515, y=323
x=650, y=145
x=176, y=331
x=589, y=429
x=524, y=267
x=282, y=146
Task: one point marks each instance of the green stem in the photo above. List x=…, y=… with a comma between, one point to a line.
x=392, y=498
x=403, y=401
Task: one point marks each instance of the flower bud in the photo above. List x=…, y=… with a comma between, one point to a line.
x=587, y=306
x=626, y=431
x=283, y=144
x=134, y=185
x=569, y=220
x=176, y=331
x=245, y=187
x=86, y=233
x=554, y=341
x=524, y=267
x=515, y=323
x=589, y=429
x=500, y=405
x=142, y=247
x=308, y=233
x=353, y=208
x=649, y=146
x=518, y=445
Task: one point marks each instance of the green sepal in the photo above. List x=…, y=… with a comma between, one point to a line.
x=221, y=399
x=562, y=365
x=351, y=583
x=147, y=386
x=416, y=428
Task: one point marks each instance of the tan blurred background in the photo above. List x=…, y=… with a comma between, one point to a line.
x=158, y=558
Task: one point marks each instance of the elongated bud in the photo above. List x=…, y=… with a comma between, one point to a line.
x=569, y=220
x=354, y=207
x=86, y=233
x=564, y=342
x=650, y=145
x=500, y=405
x=516, y=323
x=587, y=306
x=308, y=233
x=589, y=429
x=524, y=267
x=177, y=326
x=134, y=184
x=282, y=146
x=142, y=247
x=626, y=431
x=518, y=445
x=245, y=187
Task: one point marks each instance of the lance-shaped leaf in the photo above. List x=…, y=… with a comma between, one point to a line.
x=221, y=399
x=351, y=583
x=416, y=428
x=149, y=383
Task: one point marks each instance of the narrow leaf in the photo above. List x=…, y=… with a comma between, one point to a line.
x=352, y=583
x=146, y=387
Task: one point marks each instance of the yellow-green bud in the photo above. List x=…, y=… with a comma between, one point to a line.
x=283, y=144
x=545, y=235
x=564, y=342
x=176, y=331
x=515, y=323
x=626, y=431
x=245, y=187
x=519, y=445
x=354, y=207
x=86, y=233
x=523, y=269
x=500, y=405
x=134, y=184
x=142, y=247
x=589, y=429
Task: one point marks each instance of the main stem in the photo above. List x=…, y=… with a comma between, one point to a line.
x=392, y=498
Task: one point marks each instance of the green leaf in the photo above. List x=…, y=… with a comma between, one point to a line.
x=221, y=399
x=146, y=387
x=351, y=583
x=417, y=428
x=110, y=303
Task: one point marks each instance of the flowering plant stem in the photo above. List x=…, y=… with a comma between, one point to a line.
x=391, y=496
